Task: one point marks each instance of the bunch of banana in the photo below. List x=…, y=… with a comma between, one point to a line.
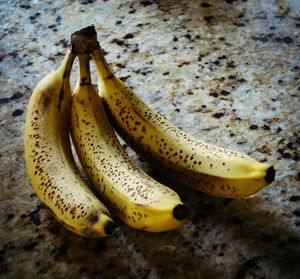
x=214, y=170
x=129, y=193
x=49, y=160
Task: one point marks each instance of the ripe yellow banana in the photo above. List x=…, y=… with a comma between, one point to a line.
x=50, y=164
x=131, y=194
x=215, y=170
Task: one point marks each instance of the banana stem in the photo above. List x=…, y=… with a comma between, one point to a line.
x=69, y=66
x=84, y=73
x=102, y=68
x=66, y=65
x=64, y=71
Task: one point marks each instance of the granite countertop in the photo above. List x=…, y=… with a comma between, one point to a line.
x=226, y=72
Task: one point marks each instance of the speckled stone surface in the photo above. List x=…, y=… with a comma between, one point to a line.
x=226, y=72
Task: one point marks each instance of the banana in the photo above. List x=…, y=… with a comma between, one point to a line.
x=49, y=160
x=214, y=170
x=132, y=195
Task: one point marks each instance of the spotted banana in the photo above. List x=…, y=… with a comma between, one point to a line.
x=50, y=164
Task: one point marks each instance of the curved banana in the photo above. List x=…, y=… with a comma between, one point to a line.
x=49, y=159
x=131, y=194
x=215, y=170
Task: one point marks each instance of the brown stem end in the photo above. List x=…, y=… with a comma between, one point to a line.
x=84, y=41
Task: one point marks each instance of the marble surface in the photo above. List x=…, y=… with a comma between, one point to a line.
x=226, y=72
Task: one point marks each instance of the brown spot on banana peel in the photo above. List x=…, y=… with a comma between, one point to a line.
x=46, y=98
x=110, y=76
x=93, y=218
x=84, y=83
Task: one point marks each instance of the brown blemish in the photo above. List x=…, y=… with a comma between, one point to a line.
x=110, y=76
x=93, y=219
x=46, y=100
x=61, y=95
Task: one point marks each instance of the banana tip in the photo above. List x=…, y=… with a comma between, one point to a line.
x=109, y=227
x=180, y=212
x=270, y=175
